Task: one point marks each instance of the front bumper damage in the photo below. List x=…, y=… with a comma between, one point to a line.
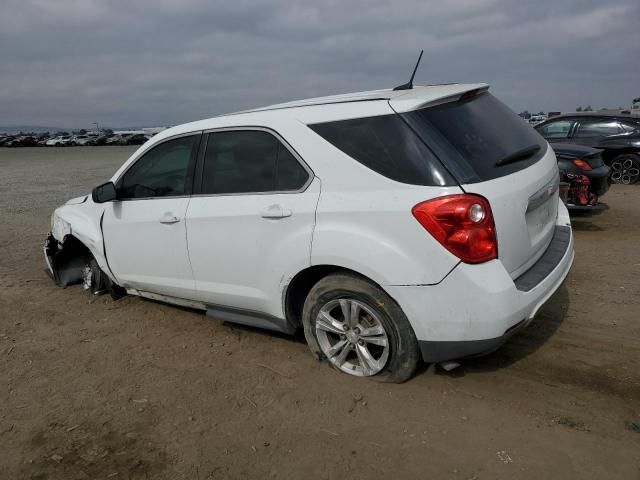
x=65, y=260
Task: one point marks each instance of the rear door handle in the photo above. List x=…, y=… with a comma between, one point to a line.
x=168, y=219
x=275, y=211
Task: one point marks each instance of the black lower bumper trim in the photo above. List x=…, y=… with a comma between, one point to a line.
x=547, y=262
x=435, y=352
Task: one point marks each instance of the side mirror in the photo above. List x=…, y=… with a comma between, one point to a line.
x=104, y=193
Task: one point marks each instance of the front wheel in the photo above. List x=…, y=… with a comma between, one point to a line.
x=359, y=329
x=625, y=169
x=93, y=278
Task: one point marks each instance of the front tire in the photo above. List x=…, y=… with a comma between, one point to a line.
x=93, y=278
x=359, y=329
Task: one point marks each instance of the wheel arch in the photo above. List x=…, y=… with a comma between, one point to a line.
x=81, y=225
x=611, y=153
x=298, y=289
x=68, y=258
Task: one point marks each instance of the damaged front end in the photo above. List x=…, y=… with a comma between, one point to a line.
x=66, y=260
x=69, y=262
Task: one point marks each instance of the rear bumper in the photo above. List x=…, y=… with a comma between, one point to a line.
x=600, y=183
x=476, y=308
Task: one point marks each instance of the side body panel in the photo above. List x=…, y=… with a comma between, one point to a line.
x=364, y=220
x=242, y=259
x=145, y=253
x=373, y=232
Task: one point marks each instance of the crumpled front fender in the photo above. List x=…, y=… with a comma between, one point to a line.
x=81, y=222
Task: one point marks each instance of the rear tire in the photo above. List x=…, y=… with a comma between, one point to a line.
x=625, y=169
x=356, y=327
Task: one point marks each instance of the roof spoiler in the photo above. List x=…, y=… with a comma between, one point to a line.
x=418, y=98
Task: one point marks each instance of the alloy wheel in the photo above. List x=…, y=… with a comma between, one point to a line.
x=625, y=171
x=352, y=337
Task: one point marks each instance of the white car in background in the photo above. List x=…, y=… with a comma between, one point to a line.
x=392, y=225
x=80, y=140
x=60, y=141
x=536, y=119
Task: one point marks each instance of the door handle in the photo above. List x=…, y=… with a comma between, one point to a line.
x=168, y=219
x=276, y=211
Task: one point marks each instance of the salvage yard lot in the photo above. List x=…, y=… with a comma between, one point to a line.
x=93, y=388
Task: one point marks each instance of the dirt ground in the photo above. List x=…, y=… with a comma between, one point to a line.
x=92, y=388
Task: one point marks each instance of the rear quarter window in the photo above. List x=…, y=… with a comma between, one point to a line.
x=472, y=135
x=388, y=146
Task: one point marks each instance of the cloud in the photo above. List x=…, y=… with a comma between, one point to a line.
x=73, y=62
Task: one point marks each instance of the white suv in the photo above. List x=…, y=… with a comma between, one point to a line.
x=390, y=225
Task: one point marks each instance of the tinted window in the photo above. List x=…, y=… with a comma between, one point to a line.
x=557, y=129
x=290, y=174
x=595, y=128
x=249, y=161
x=163, y=171
x=473, y=135
x=386, y=145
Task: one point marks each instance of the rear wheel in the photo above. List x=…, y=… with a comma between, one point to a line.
x=625, y=169
x=359, y=329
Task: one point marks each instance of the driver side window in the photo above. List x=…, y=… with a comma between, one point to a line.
x=164, y=171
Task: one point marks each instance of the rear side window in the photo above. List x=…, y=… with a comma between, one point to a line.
x=597, y=128
x=249, y=161
x=478, y=138
x=388, y=146
x=557, y=129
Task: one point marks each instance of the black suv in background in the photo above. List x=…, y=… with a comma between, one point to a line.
x=618, y=135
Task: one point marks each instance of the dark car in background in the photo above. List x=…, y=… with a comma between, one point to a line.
x=119, y=139
x=22, y=141
x=617, y=135
x=136, y=139
x=584, y=177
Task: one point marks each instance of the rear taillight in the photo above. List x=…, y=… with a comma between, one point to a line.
x=463, y=224
x=581, y=164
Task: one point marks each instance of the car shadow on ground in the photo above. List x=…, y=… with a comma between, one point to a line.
x=585, y=224
x=523, y=343
x=297, y=336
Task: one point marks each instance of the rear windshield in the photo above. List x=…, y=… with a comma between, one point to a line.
x=388, y=146
x=478, y=138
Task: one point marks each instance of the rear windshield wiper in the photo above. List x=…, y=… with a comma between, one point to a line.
x=518, y=155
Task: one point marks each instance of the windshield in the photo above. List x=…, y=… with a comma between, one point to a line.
x=478, y=138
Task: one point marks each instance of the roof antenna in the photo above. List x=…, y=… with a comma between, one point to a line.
x=409, y=84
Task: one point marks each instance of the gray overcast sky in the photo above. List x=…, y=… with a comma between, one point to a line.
x=163, y=62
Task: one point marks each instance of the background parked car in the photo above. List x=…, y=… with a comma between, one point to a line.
x=100, y=140
x=80, y=140
x=536, y=119
x=617, y=135
x=137, y=139
x=60, y=141
x=7, y=140
x=22, y=141
x=119, y=139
